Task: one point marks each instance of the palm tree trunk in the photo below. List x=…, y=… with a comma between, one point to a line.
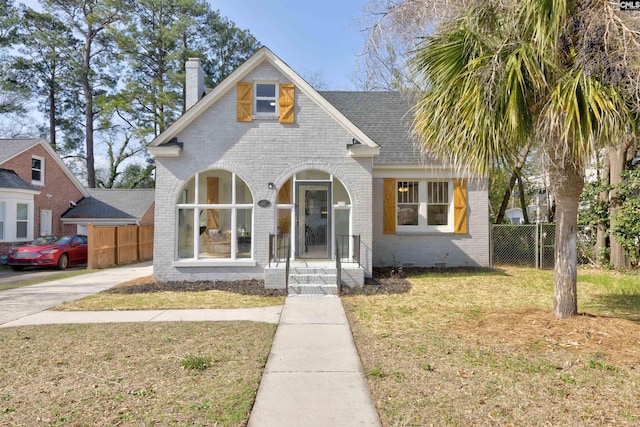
x=568, y=183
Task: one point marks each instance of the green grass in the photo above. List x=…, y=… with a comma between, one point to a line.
x=485, y=349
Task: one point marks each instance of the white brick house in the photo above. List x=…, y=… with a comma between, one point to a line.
x=264, y=162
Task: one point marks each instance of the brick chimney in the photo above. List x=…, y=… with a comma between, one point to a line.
x=194, y=82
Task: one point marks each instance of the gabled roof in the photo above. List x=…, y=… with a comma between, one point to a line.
x=10, y=179
x=386, y=118
x=109, y=203
x=262, y=55
x=10, y=148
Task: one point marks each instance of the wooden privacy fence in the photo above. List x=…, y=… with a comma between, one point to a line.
x=109, y=246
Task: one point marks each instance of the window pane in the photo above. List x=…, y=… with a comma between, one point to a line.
x=243, y=233
x=284, y=221
x=341, y=221
x=22, y=212
x=407, y=214
x=265, y=106
x=36, y=169
x=243, y=195
x=185, y=233
x=266, y=90
x=437, y=214
x=216, y=239
x=340, y=194
x=285, y=195
x=437, y=192
x=21, y=230
x=188, y=193
x=408, y=192
x=215, y=187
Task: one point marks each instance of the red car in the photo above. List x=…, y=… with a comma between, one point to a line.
x=50, y=251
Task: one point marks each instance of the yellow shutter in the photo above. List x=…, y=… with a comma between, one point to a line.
x=389, y=206
x=460, y=206
x=245, y=102
x=286, y=103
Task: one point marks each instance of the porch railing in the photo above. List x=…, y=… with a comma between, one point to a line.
x=280, y=250
x=286, y=269
x=342, y=247
x=338, y=266
x=279, y=247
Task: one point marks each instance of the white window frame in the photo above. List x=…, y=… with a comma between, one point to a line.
x=422, y=226
x=41, y=170
x=22, y=221
x=199, y=206
x=274, y=99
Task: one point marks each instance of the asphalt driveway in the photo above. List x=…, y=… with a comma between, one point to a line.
x=26, y=300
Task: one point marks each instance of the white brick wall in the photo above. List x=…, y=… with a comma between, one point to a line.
x=259, y=152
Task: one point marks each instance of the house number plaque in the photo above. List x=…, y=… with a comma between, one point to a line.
x=264, y=203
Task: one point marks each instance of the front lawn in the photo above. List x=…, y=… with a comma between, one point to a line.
x=132, y=374
x=484, y=349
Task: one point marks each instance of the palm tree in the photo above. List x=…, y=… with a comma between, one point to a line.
x=506, y=74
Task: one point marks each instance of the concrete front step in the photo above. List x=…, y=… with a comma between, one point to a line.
x=312, y=289
x=313, y=279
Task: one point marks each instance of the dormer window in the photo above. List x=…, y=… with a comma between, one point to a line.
x=266, y=99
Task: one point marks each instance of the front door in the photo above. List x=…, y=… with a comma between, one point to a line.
x=313, y=220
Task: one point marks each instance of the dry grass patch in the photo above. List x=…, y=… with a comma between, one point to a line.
x=485, y=349
x=132, y=374
x=145, y=294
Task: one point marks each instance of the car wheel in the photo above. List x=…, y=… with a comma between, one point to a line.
x=63, y=261
x=16, y=267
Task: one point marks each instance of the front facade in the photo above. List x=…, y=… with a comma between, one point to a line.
x=265, y=168
x=32, y=205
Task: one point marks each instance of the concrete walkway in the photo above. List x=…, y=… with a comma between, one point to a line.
x=262, y=314
x=313, y=376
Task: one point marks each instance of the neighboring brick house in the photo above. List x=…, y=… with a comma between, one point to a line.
x=111, y=207
x=264, y=155
x=34, y=206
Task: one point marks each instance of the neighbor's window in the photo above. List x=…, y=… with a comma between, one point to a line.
x=37, y=170
x=215, y=217
x=22, y=220
x=424, y=204
x=266, y=101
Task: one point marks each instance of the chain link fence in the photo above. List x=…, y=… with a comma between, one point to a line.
x=532, y=245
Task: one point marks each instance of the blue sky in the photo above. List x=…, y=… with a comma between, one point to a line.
x=311, y=36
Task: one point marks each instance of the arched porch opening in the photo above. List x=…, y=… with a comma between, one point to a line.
x=314, y=212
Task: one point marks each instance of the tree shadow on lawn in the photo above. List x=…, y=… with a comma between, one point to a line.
x=623, y=305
